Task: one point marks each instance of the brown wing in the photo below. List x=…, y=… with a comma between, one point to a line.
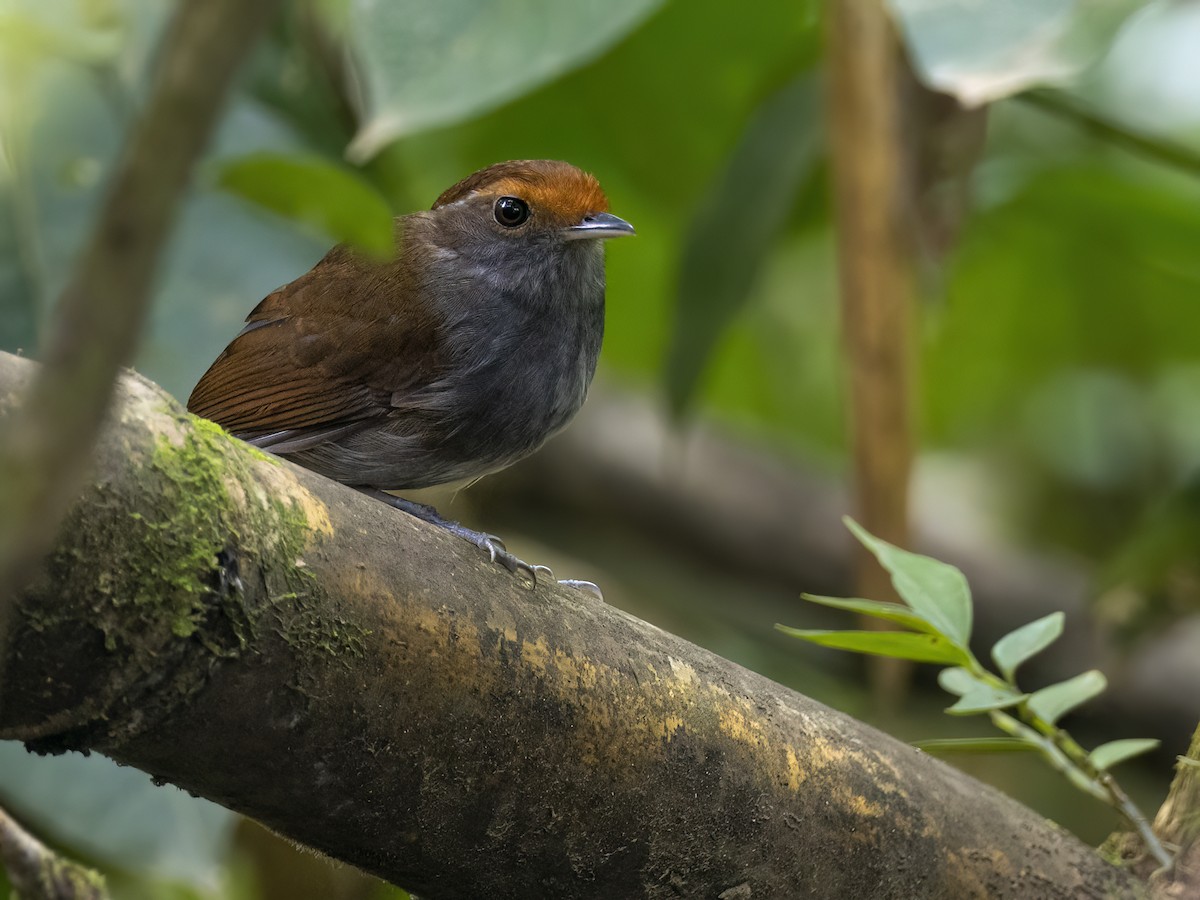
x=341, y=345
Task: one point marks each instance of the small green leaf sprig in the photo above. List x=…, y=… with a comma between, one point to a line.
x=939, y=618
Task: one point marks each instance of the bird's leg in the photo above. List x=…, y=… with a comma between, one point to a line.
x=489, y=542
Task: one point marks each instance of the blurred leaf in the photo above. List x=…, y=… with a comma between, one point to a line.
x=425, y=64
x=981, y=52
x=936, y=591
x=1091, y=428
x=1027, y=641
x=1115, y=752
x=18, y=304
x=225, y=255
x=1030, y=299
x=975, y=745
x=316, y=193
x=117, y=815
x=607, y=118
x=33, y=33
x=891, y=612
x=983, y=698
x=958, y=681
x=736, y=226
x=1148, y=557
x=1053, y=702
x=930, y=648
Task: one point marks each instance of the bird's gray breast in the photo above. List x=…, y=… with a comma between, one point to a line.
x=524, y=340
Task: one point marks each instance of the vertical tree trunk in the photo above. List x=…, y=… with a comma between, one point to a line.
x=876, y=274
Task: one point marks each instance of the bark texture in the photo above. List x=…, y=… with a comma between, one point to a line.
x=369, y=686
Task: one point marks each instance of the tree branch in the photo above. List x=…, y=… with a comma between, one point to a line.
x=755, y=514
x=1160, y=150
x=36, y=873
x=369, y=686
x=98, y=319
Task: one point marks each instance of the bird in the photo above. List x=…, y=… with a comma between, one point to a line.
x=461, y=354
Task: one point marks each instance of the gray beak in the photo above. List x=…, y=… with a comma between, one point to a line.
x=598, y=225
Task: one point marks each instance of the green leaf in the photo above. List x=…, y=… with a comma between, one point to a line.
x=975, y=745
x=316, y=193
x=1115, y=752
x=1027, y=641
x=958, y=681
x=891, y=612
x=985, y=698
x=1053, y=702
x=736, y=226
x=981, y=52
x=931, y=648
x=117, y=816
x=936, y=591
x=425, y=64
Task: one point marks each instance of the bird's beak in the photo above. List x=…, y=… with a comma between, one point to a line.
x=598, y=225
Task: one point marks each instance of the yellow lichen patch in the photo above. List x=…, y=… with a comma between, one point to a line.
x=796, y=774
x=367, y=583
x=450, y=642
x=581, y=672
x=624, y=719
x=1001, y=863
x=737, y=725
x=278, y=483
x=860, y=805
x=822, y=753
x=536, y=655
x=683, y=673
x=963, y=876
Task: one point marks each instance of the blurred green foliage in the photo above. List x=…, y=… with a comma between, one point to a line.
x=428, y=64
x=330, y=200
x=989, y=51
x=1059, y=339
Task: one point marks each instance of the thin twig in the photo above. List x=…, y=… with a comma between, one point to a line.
x=1161, y=150
x=1140, y=823
x=37, y=873
x=45, y=442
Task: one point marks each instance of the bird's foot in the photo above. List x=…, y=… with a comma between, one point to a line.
x=589, y=587
x=495, y=548
x=498, y=553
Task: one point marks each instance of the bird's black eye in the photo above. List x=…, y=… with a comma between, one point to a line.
x=511, y=211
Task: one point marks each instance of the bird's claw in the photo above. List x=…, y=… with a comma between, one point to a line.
x=588, y=586
x=493, y=547
x=530, y=571
x=498, y=553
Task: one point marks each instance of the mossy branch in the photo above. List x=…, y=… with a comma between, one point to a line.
x=374, y=688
